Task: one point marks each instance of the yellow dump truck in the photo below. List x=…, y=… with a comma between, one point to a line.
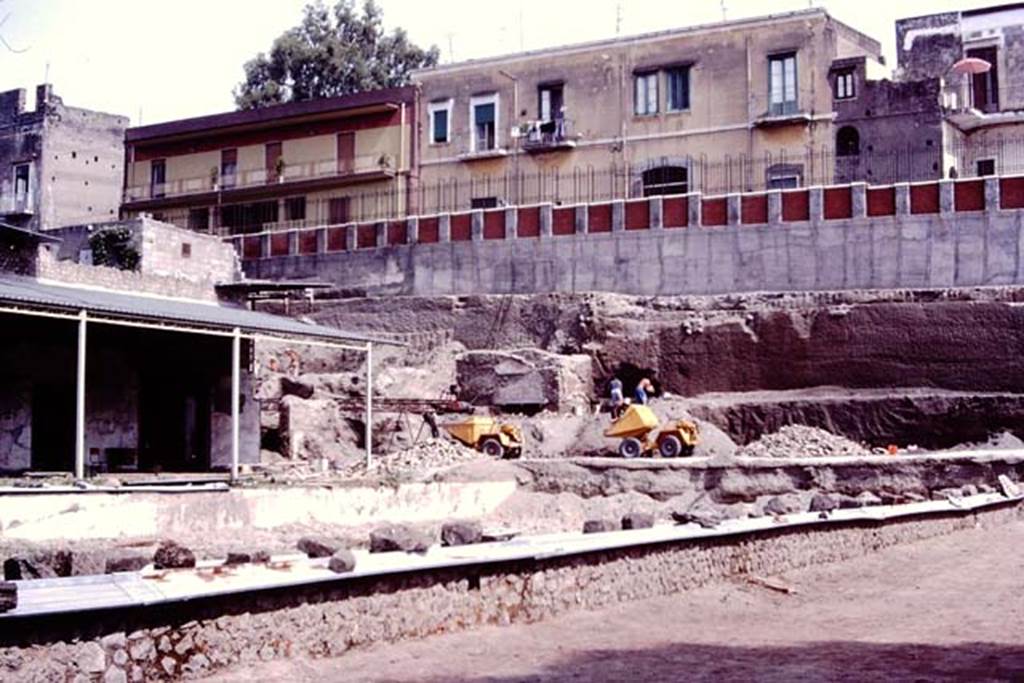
x=487, y=435
x=638, y=429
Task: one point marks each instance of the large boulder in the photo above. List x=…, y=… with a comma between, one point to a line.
x=461, y=533
x=398, y=537
x=297, y=387
x=125, y=562
x=824, y=502
x=600, y=526
x=342, y=561
x=705, y=516
x=526, y=377
x=786, y=504
x=40, y=565
x=316, y=547
x=638, y=520
x=171, y=555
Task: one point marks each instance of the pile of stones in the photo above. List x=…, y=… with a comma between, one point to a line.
x=801, y=441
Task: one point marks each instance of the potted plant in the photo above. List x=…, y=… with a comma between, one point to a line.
x=279, y=169
x=384, y=162
x=214, y=175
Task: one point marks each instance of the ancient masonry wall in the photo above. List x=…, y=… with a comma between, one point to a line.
x=935, y=234
x=196, y=638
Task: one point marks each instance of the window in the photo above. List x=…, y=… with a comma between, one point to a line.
x=243, y=218
x=295, y=208
x=484, y=114
x=985, y=86
x=485, y=203
x=783, y=182
x=22, y=182
x=666, y=180
x=551, y=102
x=186, y=250
x=228, y=167
x=678, y=79
x=986, y=167
x=199, y=219
x=782, y=84
x=845, y=85
x=645, y=94
x=847, y=142
x=157, y=178
x=440, y=122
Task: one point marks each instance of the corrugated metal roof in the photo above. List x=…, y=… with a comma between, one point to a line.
x=105, y=303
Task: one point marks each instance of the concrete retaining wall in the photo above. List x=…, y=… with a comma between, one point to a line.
x=197, y=637
x=940, y=234
x=43, y=517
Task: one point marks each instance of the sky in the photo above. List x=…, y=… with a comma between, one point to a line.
x=159, y=60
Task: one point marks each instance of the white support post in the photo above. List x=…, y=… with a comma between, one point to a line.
x=236, y=390
x=368, y=431
x=80, y=399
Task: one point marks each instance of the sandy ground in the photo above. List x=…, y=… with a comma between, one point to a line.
x=944, y=609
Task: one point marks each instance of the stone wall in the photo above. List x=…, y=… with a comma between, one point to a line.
x=936, y=234
x=195, y=638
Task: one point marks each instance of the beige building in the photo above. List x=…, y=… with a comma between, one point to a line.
x=320, y=162
x=737, y=105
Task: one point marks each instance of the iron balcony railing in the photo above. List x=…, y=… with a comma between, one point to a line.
x=216, y=181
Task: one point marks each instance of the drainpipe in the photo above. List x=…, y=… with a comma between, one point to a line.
x=514, y=119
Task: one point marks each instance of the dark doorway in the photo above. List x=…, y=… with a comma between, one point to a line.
x=847, y=142
x=174, y=423
x=53, y=427
x=985, y=86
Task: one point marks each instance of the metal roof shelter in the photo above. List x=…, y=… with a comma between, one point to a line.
x=26, y=296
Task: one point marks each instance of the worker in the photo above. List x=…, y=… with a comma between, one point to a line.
x=644, y=389
x=616, y=398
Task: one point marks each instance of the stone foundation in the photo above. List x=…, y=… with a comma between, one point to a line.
x=196, y=638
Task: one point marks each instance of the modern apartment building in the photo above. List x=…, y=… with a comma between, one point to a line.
x=318, y=162
x=737, y=105
x=982, y=97
x=59, y=165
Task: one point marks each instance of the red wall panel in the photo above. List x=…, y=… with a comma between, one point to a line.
x=924, y=198
x=366, y=236
x=461, y=227
x=714, y=211
x=397, y=233
x=1011, y=193
x=754, y=209
x=599, y=218
x=638, y=215
x=279, y=244
x=307, y=241
x=429, y=231
x=969, y=195
x=881, y=201
x=252, y=247
x=494, y=225
x=838, y=203
x=796, y=206
x=563, y=221
x=675, y=212
x=528, y=222
x=337, y=239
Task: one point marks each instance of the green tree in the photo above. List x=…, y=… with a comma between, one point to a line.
x=333, y=51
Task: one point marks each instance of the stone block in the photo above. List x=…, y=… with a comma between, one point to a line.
x=786, y=504
x=171, y=555
x=600, y=526
x=638, y=520
x=461, y=533
x=401, y=538
x=317, y=547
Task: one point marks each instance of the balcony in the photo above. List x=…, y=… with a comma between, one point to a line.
x=17, y=205
x=548, y=136
x=785, y=113
x=256, y=182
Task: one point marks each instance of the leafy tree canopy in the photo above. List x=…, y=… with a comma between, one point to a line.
x=333, y=51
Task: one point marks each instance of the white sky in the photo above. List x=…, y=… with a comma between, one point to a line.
x=169, y=59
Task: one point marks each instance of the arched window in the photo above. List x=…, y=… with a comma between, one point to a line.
x=847, y=142
x=666, y=180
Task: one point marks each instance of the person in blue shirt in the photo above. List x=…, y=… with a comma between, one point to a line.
x=616, y=398
x=644, y=389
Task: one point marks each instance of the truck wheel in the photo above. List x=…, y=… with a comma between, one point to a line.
x=670, y=446
x=493, y=448
x=630, y=448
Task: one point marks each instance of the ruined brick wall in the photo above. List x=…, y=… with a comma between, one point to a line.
x=127, y=281
x=170, y=251
x=195, y=639
x=926, y=47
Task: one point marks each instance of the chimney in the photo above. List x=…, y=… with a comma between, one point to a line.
x=44, y=93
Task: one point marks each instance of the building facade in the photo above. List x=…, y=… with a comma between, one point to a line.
x=319, y=162
x=59, y=165
x=983, y=111
x=732, y=106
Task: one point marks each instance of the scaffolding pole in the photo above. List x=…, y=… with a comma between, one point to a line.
x=236, y=390
x=80, y=399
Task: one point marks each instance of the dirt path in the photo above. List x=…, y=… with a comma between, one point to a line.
x=948, y=608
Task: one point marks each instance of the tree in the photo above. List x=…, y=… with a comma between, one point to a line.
x=331, y=52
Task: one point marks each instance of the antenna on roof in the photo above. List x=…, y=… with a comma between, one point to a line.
x=723, y=10
x=451, y=47
x=618, y=18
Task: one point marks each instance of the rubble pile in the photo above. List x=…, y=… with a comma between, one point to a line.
x=800, y=441
x=428, y=455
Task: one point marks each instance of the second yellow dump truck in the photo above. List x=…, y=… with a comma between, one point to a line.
x=638, y=429
x=493, y=438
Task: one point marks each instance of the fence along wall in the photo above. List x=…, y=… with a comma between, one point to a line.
x=936, y=234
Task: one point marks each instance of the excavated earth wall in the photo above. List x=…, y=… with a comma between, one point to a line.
x=965, y=346
x=196, y=638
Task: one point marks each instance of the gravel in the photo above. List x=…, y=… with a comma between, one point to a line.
x=426, y=456
x=799, y=441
